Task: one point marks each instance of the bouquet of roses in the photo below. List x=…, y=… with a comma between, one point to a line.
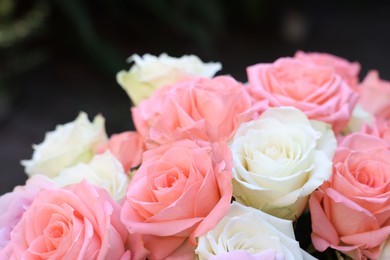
x=215, y=168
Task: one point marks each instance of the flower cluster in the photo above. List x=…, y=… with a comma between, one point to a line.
x=215, y=168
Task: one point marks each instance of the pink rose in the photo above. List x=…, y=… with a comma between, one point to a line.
x=207, y=109
x=77, y=222
x=316, y=90
x=379, y=128
x=375, y=95
x=351, y=212
x=180, y=192
x=348, y=71
x=127, y=147
x=15, y=203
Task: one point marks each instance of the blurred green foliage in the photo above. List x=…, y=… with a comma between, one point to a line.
x=98, y=29
x=28, y=27
x=17, y=27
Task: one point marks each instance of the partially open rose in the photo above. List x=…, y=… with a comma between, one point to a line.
x=103, y=170
x=351, y=211
x=150, y=73
x=375, y=95
x=207, y=109
x=180, y=192
x=66, y=146
x=348, y=71
x=77, y=222
x=279, y=159
x=14, y=204
x=127, y=147
x=316, y=90
x=379, y=128
x=248, y=233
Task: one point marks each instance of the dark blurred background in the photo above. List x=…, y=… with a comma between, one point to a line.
x=59, y=57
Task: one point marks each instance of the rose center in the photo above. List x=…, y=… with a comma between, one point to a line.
x=55, y=232
x=168, y=186
x=275, y=152
x=293, y=76
x=167, y=180
x=372, y=173
x=170, y=180
x=272, y=152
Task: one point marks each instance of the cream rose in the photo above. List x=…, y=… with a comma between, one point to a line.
x=103, y=170
x=385, y=250
x=150, y=73
x=279, y=159
x=66, y=146
x=249, y=233
x=358, y=118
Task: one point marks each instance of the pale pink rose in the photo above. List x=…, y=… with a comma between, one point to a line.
x=207, y=109
x=168, y=248
x=80, y=221
x=348, y=71
x=127, y=147
x=14, y=204
x=180, y=192
x=379, y=128
x=375, y=95
x=316, y=90
x=351, y=212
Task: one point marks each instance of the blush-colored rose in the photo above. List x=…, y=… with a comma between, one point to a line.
x=316, y=90
x=150, y=73
x=375, y=95
x=207, y=109
x=349, y=71
x=351, y=212
x=180, y=192
x=77, y=222
x=127, y=147
x=379, y=128
x=14, y=204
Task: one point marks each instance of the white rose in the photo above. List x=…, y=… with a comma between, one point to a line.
x=358, y=118
x=150, y=73
x=385, y=250
x=103, y=170
x=66, y=146
x=248, y=233
x=279, y=159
